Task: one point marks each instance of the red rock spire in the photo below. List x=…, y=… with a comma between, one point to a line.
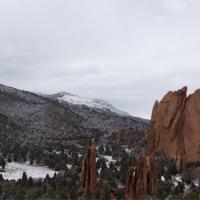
x=88, y=174
x=142, y=181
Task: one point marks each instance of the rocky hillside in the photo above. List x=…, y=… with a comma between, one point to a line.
x=35, y=117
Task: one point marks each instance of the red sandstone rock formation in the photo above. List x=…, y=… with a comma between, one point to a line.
x=113, y=193
x=142, y=181
x=126, y=136
x=88, y=173
x=175, y=127
x=130, y=183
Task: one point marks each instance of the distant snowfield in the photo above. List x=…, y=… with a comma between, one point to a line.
x=14, y=171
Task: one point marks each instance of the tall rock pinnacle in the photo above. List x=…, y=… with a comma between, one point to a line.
x=88, y=174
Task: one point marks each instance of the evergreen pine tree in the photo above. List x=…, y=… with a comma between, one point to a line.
x=30, y=182
x=24, y=178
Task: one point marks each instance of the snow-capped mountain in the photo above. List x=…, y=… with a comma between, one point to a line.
x=94, y=103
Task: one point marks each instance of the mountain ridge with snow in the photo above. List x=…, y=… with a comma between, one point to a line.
x=93, y=103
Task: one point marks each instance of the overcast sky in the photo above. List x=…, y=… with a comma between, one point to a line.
x=128, y=52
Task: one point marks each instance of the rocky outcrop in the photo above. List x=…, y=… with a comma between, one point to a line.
x=124, y=136
x=128, y=136
x=88, y=174
x=175, y=127
x=142, y=180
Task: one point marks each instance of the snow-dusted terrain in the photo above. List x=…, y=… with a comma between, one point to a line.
x=94, y=103
x=14, y=170
x=109, y=159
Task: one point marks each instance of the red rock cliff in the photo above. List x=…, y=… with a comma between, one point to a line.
x=88, y=174
x=175, y=127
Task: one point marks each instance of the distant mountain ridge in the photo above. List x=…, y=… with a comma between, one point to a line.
x=93, y=103
x=32, y=117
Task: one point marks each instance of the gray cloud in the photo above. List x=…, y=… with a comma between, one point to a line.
x=127, y=52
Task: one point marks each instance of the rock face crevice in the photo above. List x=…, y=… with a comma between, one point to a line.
x=88, y=178
x=175, y=127
x=142, y=180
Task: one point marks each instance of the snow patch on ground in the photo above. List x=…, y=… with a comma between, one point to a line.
x=14, y=171
x=196, y=183
x=128, y=150
x=179, y=178
x=187, y=187
x=163, y=178
x=69, y=166
x=175, y=184
x=109, y=159
x=176, y=179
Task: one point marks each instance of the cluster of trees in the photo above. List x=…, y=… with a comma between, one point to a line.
x=55, y=158
x=58, y=187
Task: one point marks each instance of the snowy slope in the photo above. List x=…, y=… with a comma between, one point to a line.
x=94, y=103
x=14, y=170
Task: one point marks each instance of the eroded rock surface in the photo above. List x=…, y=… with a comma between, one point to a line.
x=130, y=137
x=175, y=127
x=88, y=178
x=142, y=180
